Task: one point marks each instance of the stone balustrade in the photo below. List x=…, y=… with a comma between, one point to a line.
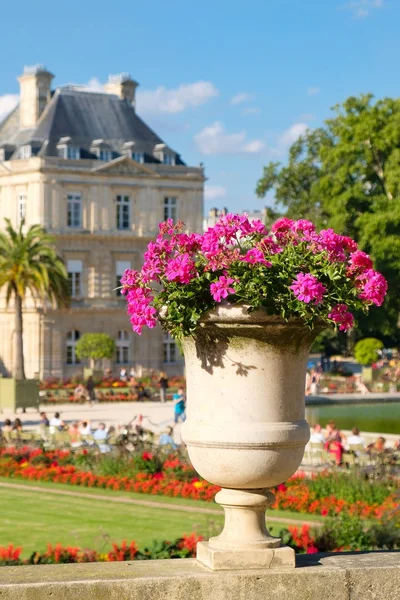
x=363, y=576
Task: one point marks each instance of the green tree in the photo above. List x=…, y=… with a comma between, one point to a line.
x=29, y=265
x=346, y=175
x=366, y=351
x=95, y=347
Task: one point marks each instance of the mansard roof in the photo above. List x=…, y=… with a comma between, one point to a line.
x=84, y=117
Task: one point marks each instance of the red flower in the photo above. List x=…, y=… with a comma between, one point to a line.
x=147, y=456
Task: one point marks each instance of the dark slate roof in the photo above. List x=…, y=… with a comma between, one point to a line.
x=84, y=117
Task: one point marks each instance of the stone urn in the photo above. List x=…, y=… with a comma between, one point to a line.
x=246, y=429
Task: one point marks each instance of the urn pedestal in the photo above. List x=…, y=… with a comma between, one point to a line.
x=245, y=428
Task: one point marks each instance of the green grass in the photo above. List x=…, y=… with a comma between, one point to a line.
x=159, y=499
x=31, y=518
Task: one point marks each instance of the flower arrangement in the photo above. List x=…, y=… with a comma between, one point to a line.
x=291, y=271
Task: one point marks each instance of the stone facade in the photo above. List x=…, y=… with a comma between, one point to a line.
x=102, y=214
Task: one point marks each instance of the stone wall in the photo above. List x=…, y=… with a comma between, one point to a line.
x=364, y=576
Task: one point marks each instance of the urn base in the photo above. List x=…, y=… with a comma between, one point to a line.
x=224, y=560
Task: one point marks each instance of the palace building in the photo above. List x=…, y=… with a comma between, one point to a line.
x=86, y=167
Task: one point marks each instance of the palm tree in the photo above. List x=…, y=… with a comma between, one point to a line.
x=29, y=264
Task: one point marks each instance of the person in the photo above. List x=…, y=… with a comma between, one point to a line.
x=80, y=393
x=90, y=385
x=142, y=394
x=123, y=374
x=7, y=427
x=314, y=382
x=163, y=383
x=44, y=421
x=101, y=435
x=84, y=428
x=132, y=373
x=334, y=442
x=377, y=447
x=74, y=434
x=166, y=439
x=317, y=437
x=355, y=438
x=56, y=423
x=360, y=385
x=17, y=425
x=179, y=405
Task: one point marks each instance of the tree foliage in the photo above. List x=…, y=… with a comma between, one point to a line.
x=95, y=346
x=29, y=265
x=366, y=351
x=346, y=175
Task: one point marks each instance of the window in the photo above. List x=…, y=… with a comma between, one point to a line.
x=122, y=266
x=72, y=338
x=21, y=207
x=25, y=152
x=73, y=153
x=168, y=159
x=105, y=155
x=123, y=212
x=74, y=210
x=170, y=209
x=138, y=156
x=75, y=268
x=69, y=152
x=123, y=345
x=170, y=349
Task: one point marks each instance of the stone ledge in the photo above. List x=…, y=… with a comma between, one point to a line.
x=364, y=576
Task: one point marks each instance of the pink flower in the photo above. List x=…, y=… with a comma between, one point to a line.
x=333, y=243
x=374, y=287
x=359, y=262
x=181, y=269
x=282, y=229
x=304, y=226
x=340, y=315
x=254, y=256
x=307, y=288
x=222, y=288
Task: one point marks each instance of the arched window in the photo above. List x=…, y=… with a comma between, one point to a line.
x=170, y=349
x=72, y=338
x=123, y=347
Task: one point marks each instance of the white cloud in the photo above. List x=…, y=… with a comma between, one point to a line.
x=362, y=8
x=7, y=103
x=212, y=192
x=251, y=110
x=173, y=101
x=292, y=134
x=312, y=91
x=214, y=140
x=240, y=98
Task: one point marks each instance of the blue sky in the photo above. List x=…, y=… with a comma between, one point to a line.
x=227, y=83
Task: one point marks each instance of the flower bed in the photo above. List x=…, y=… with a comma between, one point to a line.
x=184, y=547
x=324, y=494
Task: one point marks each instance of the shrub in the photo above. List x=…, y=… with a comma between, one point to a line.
x=366, y=351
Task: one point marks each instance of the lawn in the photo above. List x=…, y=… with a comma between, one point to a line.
x=32, y=518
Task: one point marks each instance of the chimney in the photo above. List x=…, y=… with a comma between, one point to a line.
x=123, y=86
x=34, y=86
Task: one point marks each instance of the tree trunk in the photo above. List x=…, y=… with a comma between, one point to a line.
x=19, y=366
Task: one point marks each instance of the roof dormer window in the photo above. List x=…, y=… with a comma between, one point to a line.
x=164, y=154
x=25, y=152
x=101, y=150
x=129, y=150
x=66, y=150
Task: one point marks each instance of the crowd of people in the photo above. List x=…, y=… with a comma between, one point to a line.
x=337, y=444
x=78, y=433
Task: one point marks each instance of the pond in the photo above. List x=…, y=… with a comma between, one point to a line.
x=381, y=417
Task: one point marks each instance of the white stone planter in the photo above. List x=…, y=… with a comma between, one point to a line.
x=245, y=428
